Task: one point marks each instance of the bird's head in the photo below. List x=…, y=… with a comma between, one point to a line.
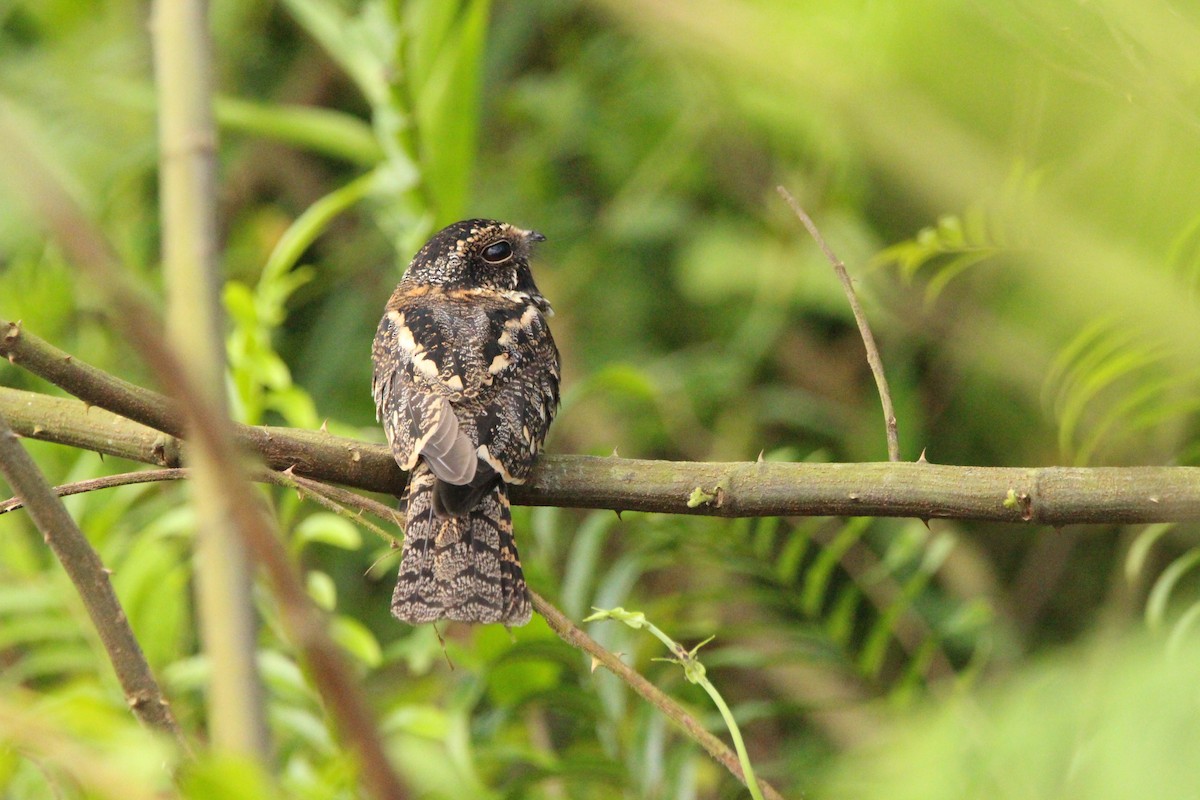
x=476, y=254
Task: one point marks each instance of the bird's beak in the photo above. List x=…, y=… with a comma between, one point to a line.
x=534, y=236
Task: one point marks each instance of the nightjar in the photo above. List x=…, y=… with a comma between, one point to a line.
x=466, y=385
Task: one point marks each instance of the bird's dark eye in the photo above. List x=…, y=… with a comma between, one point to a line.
x=498, y=252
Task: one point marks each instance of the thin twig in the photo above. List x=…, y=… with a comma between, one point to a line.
x=885, y=396
x=332, y=498
x=104, y=482
x=91, y=580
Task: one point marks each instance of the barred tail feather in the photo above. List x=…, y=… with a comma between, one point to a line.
x=459, y=568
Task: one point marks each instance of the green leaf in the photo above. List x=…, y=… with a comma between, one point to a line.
x=319, y=130
x=313, y=222
x=448, y=107
x=357, y=640
x=1160, y=593
x=321, y=589
x=328, y=528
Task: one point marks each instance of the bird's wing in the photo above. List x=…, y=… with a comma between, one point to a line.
x=420, y=371
x=522, y=369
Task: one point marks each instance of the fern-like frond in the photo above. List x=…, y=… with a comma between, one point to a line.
x=958, y=242
x=1173, y=602
x=1109, y=387
x=866, y=594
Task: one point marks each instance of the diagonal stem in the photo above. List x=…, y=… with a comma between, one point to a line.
x=577, y=638
x=91, y=580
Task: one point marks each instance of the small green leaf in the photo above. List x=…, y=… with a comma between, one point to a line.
x=328, y=528
x=357, y=640
x=634, y=619
x=322, y=590
x=427, y=721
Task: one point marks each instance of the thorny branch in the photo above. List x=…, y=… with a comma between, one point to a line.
x=1055, y=496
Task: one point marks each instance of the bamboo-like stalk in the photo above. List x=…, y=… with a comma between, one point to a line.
x=1030, y=496
x=187, y=180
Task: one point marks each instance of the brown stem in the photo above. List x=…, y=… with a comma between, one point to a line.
x=91, y=580
x=104, y=482
x=864, y=330
x=320, y=455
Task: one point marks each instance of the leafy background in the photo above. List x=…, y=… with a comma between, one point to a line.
x=1013, y=186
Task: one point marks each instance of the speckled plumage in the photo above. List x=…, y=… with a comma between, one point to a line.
x=466, y=385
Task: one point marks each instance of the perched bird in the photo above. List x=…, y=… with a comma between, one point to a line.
x=466, y=385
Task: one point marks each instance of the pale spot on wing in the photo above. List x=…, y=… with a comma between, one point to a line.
x=425, y=366
x=498, y=363
x=486, y=455
x=404, y=338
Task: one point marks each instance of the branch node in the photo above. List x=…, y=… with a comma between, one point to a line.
x=701, y=497
x=1020, y=501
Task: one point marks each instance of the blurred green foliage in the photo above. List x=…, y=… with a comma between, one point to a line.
x=1013, y=186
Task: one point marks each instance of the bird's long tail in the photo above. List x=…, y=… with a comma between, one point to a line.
x=460, y=568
